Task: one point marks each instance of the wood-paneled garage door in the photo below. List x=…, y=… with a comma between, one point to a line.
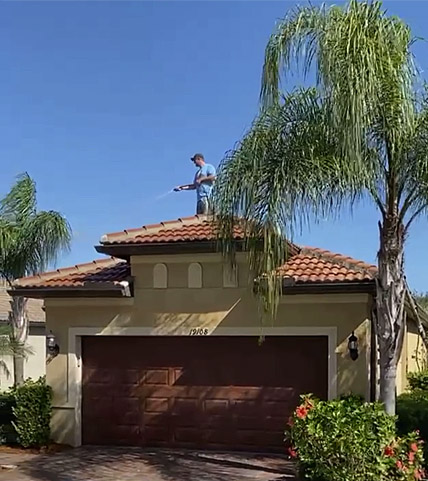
x=198, y=392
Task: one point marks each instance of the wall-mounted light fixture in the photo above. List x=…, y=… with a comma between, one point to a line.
x=51, y=345
x=353, y=346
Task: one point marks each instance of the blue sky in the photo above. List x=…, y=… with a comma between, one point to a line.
x=104, y=102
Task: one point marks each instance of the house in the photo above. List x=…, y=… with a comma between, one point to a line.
x=35, y=364
x=158, y=343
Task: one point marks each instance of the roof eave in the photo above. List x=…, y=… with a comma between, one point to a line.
x=124, y=251
x=350, y=287
x=50, y=292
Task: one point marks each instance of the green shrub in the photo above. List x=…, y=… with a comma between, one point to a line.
x=412, y=414
x=7, y=431
x=7, y=403
x=418, y=380
x=350, y=440
x=33, y=412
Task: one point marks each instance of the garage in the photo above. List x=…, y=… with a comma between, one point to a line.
x=197, y=392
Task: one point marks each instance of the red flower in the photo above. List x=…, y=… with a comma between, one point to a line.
x=301, y=412
x=290, y=421
x=419, y=473
x=411, y=457
x=389, y=451
x=414, y=447
x=292, y=452
x=400, y=465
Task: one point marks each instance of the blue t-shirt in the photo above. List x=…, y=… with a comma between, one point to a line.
x=203, y=190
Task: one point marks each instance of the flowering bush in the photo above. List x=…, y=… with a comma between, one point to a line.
x=412, y=411
x=350, y=440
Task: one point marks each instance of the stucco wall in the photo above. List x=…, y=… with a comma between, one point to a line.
x=413, y=356
x=177, y=309
x=35, y=364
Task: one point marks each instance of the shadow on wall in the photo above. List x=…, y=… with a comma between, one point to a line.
x=350, y=371
x=120, y=463
x=179, y=322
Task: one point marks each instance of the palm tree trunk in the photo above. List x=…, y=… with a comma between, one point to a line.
x=19, y=321
x=391, y=291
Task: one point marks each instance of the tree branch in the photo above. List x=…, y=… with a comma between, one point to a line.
x=413, y=217
x=419, y=323
x=408, y=201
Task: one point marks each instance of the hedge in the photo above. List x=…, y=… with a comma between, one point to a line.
x=33, y=412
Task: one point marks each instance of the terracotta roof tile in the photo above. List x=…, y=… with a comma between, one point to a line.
x=102, y=272
x=307, y=265
x=312, y=264
x=186, y=229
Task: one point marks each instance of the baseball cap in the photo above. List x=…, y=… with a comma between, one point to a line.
x=197, y=156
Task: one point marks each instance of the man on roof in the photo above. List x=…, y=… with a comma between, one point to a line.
x=203, y=184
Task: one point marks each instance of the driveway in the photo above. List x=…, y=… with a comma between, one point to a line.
x=135, y=464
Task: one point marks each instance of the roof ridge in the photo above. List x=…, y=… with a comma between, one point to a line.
x=83, y=267
x=149, y=228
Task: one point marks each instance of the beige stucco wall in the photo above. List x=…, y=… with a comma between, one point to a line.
x=35, y=364
x=413, y=356
x=177, y=309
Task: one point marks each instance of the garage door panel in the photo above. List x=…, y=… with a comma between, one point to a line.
x=216, y=421
x=156, y=405
x=97, y=375
x=127, y=410
x=155, y=435
x=216, y=406
x=257, y=423
x=155, y=419
x=210, y=392
x=278, y=408
x=191, y=435
x=185, y=406
x=218, y=438
x=98, y=407
x=124, y=435
x=126, y=377
x=156, y=377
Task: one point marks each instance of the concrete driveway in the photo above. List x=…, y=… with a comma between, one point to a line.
x=135, y=464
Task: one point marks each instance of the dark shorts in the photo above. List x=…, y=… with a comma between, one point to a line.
x=203, y=206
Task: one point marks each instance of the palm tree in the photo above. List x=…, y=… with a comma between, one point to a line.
x=29, y=241
x=361, y=132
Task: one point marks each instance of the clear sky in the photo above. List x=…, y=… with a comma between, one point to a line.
x=104, y=102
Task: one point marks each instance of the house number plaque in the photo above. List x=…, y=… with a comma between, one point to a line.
x=199, y=331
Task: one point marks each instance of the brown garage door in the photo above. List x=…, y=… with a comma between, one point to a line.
x=204, y=392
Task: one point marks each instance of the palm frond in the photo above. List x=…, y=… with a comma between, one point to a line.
x=48, y=234
x=30, y=241
x=11, y=347
x=20, y=203
x=413, y=168
x=286, y=169
x=331, y=40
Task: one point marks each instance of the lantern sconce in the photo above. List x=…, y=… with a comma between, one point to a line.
x=51, y=345
x=353, y=346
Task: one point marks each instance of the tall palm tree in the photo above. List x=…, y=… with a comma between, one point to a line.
x=361, y=132
x=29, y=241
